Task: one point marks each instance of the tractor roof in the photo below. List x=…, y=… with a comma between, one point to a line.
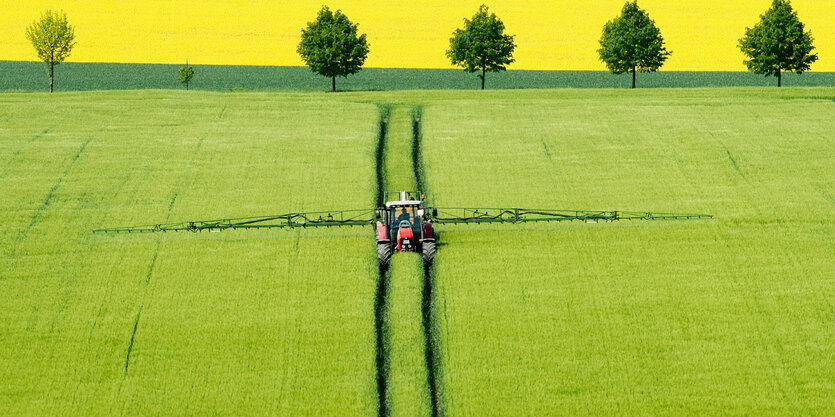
x=398, y=203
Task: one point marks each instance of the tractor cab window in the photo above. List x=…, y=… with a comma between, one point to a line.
x=407, y=213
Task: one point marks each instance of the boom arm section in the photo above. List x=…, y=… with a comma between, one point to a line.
x=521, y=215
x=289, y=220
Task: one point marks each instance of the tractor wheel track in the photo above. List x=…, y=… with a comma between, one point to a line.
x=381, y=326
x=429, y=316
x=431, y=335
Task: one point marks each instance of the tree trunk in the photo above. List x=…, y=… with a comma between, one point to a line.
x=483, y=75
x=779, y=78
x=51, y=74
x=333, y=83
x=186, y=85
x=633, y=77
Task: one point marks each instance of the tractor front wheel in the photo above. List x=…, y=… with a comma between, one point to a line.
x=428, y=252
x=384, y=252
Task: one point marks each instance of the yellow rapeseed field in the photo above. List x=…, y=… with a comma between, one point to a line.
x=553, y=34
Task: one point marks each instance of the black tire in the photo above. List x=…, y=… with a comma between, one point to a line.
x=428, y=252
x=384, y=252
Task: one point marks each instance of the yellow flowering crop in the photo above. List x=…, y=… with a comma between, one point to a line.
x=554, y=34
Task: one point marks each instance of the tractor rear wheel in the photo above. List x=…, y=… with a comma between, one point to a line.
x=384, y=252
x=428, y=252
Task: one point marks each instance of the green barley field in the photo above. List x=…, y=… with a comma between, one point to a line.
x=83, y=76
x=729, y=316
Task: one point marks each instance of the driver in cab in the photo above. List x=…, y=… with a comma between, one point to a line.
x=403, y=216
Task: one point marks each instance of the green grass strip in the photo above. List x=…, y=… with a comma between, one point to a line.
x=399, y=170
x=408, y=390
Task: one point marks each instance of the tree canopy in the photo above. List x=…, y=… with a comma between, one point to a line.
x=482, y=45
x=186, y=74
x=778, y=42
x=330, y=45
x=631, y=42
x=53, y=38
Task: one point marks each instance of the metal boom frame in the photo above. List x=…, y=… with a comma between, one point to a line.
x=461, y=215
x=367, y=217
x=289, y=220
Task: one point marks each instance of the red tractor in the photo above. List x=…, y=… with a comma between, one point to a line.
x=405, y=225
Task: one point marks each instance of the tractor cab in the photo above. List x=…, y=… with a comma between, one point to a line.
x=404, y=225
x=405, y=220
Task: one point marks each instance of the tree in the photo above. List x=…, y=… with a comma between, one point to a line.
x=330, y=46
x=778, y=43
x=186, y=74
x=481, y=45
x=631, y=42
x=53, y=39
